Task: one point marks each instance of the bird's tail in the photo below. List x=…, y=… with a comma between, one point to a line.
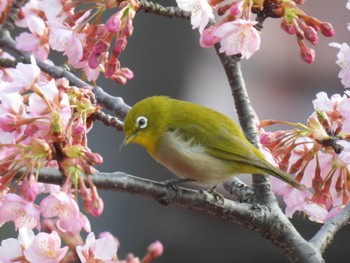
x=285, y=177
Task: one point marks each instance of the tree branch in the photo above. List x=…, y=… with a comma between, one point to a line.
x=246, y=117
x=325, y=235
x=268, y=221
x=157, y=9
x=241, y=213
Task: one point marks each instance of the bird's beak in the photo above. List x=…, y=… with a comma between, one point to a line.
x=127, y=140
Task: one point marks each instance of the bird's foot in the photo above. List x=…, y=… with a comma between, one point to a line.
x=173, y=183
x=217, y=195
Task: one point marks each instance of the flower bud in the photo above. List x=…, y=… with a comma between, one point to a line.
x=288, y=27
x=311, y=35
x=327, y=29
x=208, y=39
x=113, y=23
x=307, y=54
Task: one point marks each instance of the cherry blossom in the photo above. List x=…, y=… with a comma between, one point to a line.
x=343, y=60
x=62, y=205
x=45, y=248
x=22, y=212
x=238, y=37
x=97, y=249
x=201, y=12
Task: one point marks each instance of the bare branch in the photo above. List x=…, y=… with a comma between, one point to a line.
x=325, y=235
x=108, y=120
x=268, y=221
x=165, y=195
x=244, y=193
x=157, y=9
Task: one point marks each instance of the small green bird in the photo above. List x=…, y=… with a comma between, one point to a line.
x=195, y=142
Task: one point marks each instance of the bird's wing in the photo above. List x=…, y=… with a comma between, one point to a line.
x=222, y=144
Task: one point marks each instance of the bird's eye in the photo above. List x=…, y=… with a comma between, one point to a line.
x=141, y=122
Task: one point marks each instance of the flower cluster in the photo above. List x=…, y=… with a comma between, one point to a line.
x=44, y=123
x=318, y=153
x=45, y=247
x=76, y=30
x=236, y=30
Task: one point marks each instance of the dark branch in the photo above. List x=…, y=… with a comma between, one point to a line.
x=269, y=221
x=108, y=120
x=157, y=9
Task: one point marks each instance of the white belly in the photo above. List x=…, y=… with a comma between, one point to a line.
x=190, y=161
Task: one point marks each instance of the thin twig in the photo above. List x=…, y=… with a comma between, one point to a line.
x=157, y=9
x=108, y=120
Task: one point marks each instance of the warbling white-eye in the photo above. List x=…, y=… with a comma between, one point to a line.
x=195, y=142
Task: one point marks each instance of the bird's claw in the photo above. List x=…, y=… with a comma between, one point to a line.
x=217, y=195
x=173, y=183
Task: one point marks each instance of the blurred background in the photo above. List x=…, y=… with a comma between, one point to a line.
x=166, y=58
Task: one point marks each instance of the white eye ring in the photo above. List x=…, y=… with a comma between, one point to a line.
x=141, y=122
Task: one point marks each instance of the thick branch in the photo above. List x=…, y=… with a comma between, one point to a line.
x=243, y=214
x=246, y=116
x=268, y=221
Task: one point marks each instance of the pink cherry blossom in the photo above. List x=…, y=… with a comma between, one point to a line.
x=63, y=38
x=154, y=250
x=97, y=249
x=10, y=249
x=343, y=60
x=54, y=10
x=62, y=205
x=31, y=8
x=208, y=38
x=59, y=102
x=201, y=12
x=46, y=248
x=36, y=41
x=238, y=37
x=22, y=212
x=24, y=76
x=328, y=105
x=12, y=117
x=29, y=188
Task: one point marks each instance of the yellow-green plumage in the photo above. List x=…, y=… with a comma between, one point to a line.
x=195, y=142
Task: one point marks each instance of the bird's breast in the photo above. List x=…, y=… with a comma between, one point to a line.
x=190, y=160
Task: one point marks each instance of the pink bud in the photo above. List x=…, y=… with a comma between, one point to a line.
x=311, y=35
x=127, y=73
x=113, y=23
x=155, y=250
x=236, y=8
x=208, y=39
x=119, y=46
x=111, y=68
x=288, y=27
x=128, y=28
x=307, y=54
x=327, y=29
x=29, y=188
